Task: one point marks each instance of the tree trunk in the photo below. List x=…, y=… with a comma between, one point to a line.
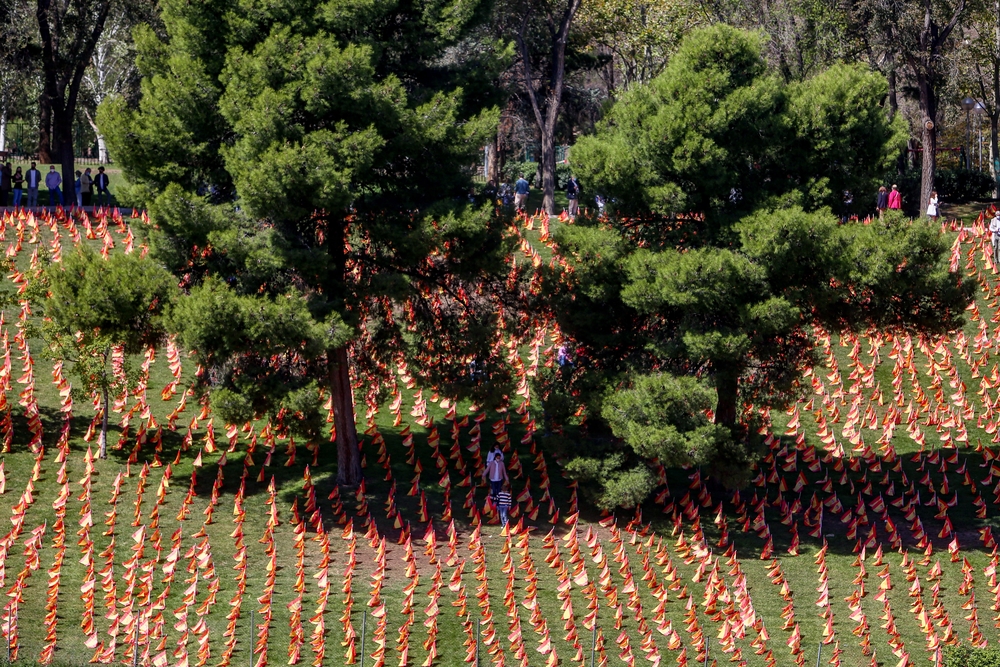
x=994, y=152
x=339, y=363
x=102, y=145
x=102, y=441
x=928, y=163
x=44, y=130
x=64, y=132
x=492, y=164
x=727, y=392
x=893, y=110
x=548, y=165
x=546, y=111
x=348, y=455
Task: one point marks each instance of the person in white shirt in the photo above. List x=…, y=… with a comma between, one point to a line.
x=932, y=206
x=496, y=473
x=995, y=238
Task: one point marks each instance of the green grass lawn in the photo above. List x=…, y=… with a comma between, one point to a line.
x=648, y=564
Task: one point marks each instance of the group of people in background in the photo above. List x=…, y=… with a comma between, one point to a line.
x=522, y=188
x=24, y=186
x=893, y=200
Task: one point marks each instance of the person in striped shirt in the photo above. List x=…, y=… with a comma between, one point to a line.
x=503, y=502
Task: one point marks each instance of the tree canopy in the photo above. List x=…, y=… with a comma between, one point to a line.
x=306, y=168
x=723, y=254
x=95, y=308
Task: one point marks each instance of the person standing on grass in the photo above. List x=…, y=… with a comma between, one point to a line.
x=503, y=503
x=496, y=473
x=101, y=182
x=881, y=201
x=521, y=190
x=895, y=199
x=52, y=181
x=573, y=196
x=995, y=238
x=18, y=181
x=86, y=187
x=932, y=206
x=34, y=179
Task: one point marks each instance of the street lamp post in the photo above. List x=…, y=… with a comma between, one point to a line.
x=968, y=104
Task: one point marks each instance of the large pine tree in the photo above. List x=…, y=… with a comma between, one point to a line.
x=722, y=252
x=306, y=164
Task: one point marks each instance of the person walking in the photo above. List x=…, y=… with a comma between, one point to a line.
x=881, y=201
x=18, y=181
x=503, y=503
x=86, y=187
x=34, y=179
x=932, y=206
x=496, y=473
x=52, y=181
x=521, y=190
x=573, y=196
x=895, y=199
x=995, y=239
x=101, y=182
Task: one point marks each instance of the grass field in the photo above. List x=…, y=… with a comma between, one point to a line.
x=687, y=579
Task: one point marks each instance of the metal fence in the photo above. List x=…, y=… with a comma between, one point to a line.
x=22, y=142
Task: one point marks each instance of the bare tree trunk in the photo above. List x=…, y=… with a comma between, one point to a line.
x=348, y=455
x=102, y=145
x=492, y=164
x=727, y=392
x=44, y=129
x=339, y=365
x=548, y=165
x=928, y=163
x=546, y=110
x=893, y=110
x=994, y=152
x=64, y=132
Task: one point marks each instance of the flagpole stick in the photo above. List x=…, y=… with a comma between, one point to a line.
x=479, y=622
x=252, y=635
x=593, y=645
x=10, y=616
x=135, y=645
x=819, y=652
x=364, y=626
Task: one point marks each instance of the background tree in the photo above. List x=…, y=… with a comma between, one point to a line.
x=543, y=39
x=308, y=171
x=638, y=36
x=68, y=34
x=978, y=68
x=725, y=295
x=95, y=307
x=922, y=32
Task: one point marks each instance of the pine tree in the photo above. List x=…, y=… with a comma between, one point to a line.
x=306, y=165
x=94, y=307
x=724, y=296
